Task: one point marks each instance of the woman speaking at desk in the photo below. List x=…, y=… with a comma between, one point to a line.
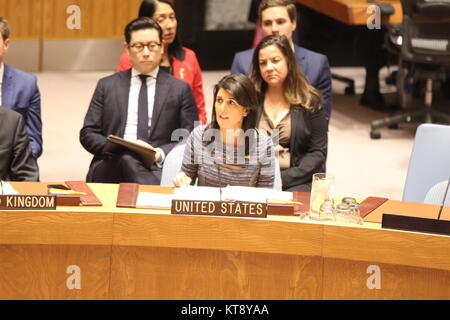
x=291, y=111
x=177, y=60
x=229, y=150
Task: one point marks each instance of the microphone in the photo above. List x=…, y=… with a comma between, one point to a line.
x=443, y=200
x=220, y=180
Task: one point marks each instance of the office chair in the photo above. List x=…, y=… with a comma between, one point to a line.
x=424, y=54
x=429, y=163
x=172, y=165
x=437, y=193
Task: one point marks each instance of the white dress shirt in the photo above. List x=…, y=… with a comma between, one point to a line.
x=133, y=99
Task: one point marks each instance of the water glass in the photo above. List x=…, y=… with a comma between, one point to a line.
x=322, y=190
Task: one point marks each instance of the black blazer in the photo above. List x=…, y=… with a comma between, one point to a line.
x=308, y=145
x=16, y=160
x=174, y=108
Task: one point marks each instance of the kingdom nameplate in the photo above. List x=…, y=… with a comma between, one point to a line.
x=27, y=202
x=220, y=208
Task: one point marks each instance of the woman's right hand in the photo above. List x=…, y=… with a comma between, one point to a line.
x=181, y=180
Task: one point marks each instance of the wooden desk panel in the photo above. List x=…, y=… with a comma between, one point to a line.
x=351, y=12
x=40, y=271
x=387, y=246
x=411, y=209
x=176, y=273
x=142, y=254
x=345, y=279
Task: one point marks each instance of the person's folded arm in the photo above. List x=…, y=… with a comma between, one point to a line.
x=323, y=84
x=23, y=164
x=91, y=135
x=188, y=116
x=314, y=158
x=34, y=122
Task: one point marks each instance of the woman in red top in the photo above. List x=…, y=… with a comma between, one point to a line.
x=179, y=61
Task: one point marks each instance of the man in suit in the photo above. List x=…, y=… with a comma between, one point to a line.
x=19, y=92
x=279, y=17
x=142, y=103
x=16, y=160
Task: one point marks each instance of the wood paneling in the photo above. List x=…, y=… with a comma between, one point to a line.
x=351, y=12
x=57, y=228
x=24, y=17
x=345, y=279
x=252, y=235
x=387, y=246
x=162, y=273
x=411, y=209
x=47, y=19
x=150, y=254
x=39, y=271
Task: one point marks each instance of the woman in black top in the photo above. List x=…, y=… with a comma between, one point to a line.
x=291, y=111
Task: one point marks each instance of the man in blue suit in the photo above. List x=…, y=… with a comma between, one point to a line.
x=19, y=92
x=279, y=17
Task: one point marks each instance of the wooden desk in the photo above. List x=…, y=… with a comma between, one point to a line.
x=351, y=12
x=150, y=254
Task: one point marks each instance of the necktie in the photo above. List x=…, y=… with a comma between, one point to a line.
x=142, y=127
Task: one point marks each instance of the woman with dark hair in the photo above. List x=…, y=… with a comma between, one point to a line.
x=230, y=150
x=179, y=61
x=291, y=111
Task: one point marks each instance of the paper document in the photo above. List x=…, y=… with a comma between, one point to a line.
x=230, y=193
x=7, y=189
x=154, y=200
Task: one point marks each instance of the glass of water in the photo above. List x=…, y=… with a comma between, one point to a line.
x=322, y=190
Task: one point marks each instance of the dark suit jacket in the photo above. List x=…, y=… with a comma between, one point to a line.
x=312, y=64
x=174, y=108
x=21, y=93
x=308, y=145
x=16, y=161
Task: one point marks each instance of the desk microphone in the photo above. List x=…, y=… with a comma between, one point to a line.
x=220, y=179
x=443, y=200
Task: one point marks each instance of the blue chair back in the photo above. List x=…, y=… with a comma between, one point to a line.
x=172, y=165
x=429, y=163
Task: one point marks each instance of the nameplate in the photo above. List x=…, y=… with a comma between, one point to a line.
x=220, y=208
x=27, y=202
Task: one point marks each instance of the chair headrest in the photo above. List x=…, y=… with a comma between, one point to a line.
x=433, y=9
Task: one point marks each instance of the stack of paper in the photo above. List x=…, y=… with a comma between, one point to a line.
x=7, y=189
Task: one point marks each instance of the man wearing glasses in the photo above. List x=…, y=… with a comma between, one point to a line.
x=142, y=103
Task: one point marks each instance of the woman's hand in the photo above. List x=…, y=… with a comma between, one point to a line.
x=181, y=180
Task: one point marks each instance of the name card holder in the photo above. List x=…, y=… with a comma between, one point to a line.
x=220, y=208
x=416, y=224
x=28, y=202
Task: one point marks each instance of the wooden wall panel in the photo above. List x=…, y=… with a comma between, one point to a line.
x=24, y=17
x=40, y=271
x=99, y=18
x=46, y=19
x=166, y=273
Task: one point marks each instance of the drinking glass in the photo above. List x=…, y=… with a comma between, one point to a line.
x=322, y=190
